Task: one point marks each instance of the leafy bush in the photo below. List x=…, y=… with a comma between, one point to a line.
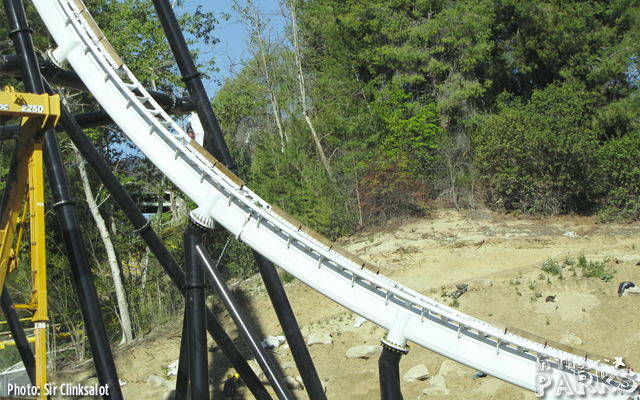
x=389, y=191
x=540, y=157
x=551, y=267
x=598, y=270
x=621, y=168
x=286, y=277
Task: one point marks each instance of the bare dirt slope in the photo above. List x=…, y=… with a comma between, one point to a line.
x=498, y=256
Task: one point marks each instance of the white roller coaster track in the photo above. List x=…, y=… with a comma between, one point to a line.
x=506, y=353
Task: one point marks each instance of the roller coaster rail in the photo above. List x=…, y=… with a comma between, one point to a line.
x=503, y=352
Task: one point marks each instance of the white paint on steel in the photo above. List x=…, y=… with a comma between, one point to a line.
x=379, y=299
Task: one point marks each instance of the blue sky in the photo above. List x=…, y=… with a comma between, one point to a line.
x=232, y=34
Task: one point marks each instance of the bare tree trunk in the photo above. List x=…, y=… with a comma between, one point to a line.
x=271, y=87
x=125, y=320
x=144, y=264
x=302, y=88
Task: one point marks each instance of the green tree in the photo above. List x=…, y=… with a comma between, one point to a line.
x=540, y=156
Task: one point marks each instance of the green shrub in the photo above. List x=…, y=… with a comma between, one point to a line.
x=540, y=157
x=551, y=267
x=286, y=277
x=598, y=270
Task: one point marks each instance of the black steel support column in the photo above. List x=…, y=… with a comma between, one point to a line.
x=289, y=325
x=182, y=380
x=18, y=334
x=215, y=144
x=191, y=77
x=20, y=33
x=195, y=314
x=389, y=371
x=151, y=238
x=244, y=327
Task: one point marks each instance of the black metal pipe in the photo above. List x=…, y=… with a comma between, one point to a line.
x=389, y=371
x=243, y=325
x=195, y=314
x=10, y=65
x=81, y=272
x=214, y=143
x=20, y=33
x=18, y=334
x=289, y=325
x=143, y=227
x=213, y=138
x=92, y=119
x=182, y=380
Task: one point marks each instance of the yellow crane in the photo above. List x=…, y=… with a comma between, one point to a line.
x=38, y=114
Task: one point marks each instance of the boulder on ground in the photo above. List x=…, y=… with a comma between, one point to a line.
x=292, y=383
x=319, y=337
x=417, y=373
x=452, y=371
x=273, y=342
x=172, y=369
x=156, y=381
x=438, y=387
x=288, y=365
x=571, y=340
x=365, y=352
x=359, y=321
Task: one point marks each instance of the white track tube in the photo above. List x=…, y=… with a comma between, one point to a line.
x=202, y=214
x=396, y=337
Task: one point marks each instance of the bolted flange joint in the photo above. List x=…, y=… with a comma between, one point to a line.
x=201, y=220
x=396, y=348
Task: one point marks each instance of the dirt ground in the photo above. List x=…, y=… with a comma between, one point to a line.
x=499, y=256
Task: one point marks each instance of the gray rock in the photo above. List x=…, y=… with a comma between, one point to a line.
x=288, y=365
x=292, y=383
x=451, y=370
x=365, y=352
x=359, y=321
x=273, y=342
x=417, y=373
x=571, y=340
x=319, y=337
x=156, y=381
x=632, y=291
x=438, y=387
x=172, y=369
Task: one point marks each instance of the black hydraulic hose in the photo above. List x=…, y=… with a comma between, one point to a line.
x=195, y=314
x=182, y=380
x=243, y=325
x=18, y=334
x=213, y=138
x=389, y=370
x=214, y=143
x=10, y=65
x=20, y=33
x=143, y=227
